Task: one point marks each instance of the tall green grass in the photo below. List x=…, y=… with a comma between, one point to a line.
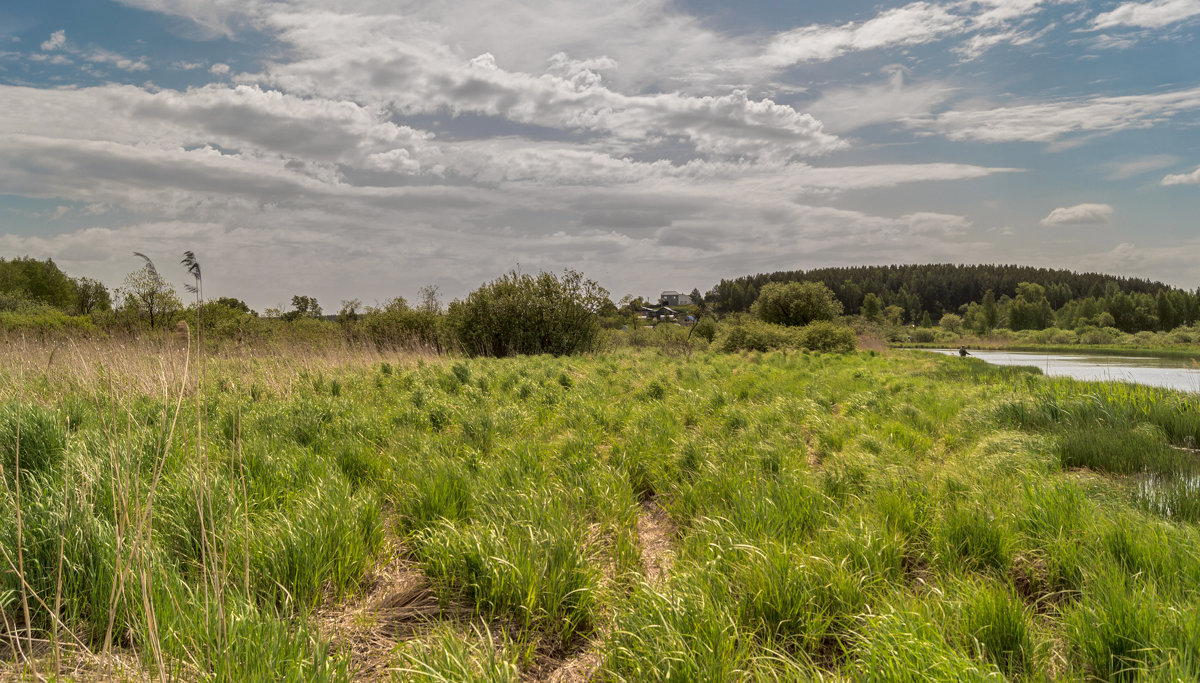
x=833, y=517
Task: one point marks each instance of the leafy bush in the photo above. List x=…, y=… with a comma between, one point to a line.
x=750, y=334
x=706, y=328
x=924, y=335
x=1097, y=335
x=796, y=303
x=528, y=314
x=828, y=337
x=395, y=324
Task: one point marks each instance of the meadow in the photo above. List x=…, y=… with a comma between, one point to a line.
x=631, y=515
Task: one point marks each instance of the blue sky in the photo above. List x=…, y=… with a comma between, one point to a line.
x=364, y=148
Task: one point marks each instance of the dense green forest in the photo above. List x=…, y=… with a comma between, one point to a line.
x=1060, y=298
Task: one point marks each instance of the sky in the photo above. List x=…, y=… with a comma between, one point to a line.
x=361, y=149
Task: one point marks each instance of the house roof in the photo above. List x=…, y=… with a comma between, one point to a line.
x=670, y=292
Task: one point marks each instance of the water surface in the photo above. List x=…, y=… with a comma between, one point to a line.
x=1182, y=374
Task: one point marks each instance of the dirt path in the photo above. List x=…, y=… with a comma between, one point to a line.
x=396, y=604
x=656, y=532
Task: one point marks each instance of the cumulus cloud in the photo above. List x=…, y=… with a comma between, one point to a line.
x=1155, y=14
x=410, y=141
x=1080, y=214
x=55, y=41
x=390, y=65
x=1192, y=178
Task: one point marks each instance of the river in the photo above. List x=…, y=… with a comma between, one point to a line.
x=1182, y=374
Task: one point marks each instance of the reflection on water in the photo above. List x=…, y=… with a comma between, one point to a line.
x=1174, y=497
x=1182, y=374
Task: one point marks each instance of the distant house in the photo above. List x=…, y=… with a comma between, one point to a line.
x=658, y=314
x=673, y=298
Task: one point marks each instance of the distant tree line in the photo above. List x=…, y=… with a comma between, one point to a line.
x=567, y=313
x=984, y=296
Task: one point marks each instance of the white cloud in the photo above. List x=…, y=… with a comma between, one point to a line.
x=99, y=56
x=218, y=69
x=386, y=64
x=1192, y=178
x=1130, y=168
x=1155, y=14
x=1050, y=121
x=849, y=108
x=913, y=24
x=55, y=41
x=592, y=135
x=1080, y=214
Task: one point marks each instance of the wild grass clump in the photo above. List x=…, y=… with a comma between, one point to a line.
x=793, y=600
x=974, y=538
x=450, y=656
x=684, y=634
x=906, y=644
x=437, y=491
x=528, y=564
x=1114, y=629
x=998, y=624
x=31, y=433
x=1120, y=451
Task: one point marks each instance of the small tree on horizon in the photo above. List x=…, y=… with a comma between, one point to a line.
x=147, y=293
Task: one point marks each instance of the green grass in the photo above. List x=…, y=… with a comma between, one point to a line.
x=866, y=517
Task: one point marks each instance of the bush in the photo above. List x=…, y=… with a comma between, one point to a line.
x=1097, y=335
x=397, y=325
x=527, y=314
x=796, y=303
x=923, y=335
x=828, y=337
x=706, y=329
x=749, y=334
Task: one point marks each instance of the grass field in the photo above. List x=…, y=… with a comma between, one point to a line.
x=630, y=516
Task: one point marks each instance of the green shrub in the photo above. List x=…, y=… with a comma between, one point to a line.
x=527, y=314
x=395, y=325
x=796, y=303
x=749, y=334
x=828, y=337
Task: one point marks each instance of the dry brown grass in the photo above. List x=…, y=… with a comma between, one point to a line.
x=143, y=366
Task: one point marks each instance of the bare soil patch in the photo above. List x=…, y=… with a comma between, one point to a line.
x=656, y=531
x=396, y=604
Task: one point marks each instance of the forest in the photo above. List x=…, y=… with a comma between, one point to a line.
x=1066, y=299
